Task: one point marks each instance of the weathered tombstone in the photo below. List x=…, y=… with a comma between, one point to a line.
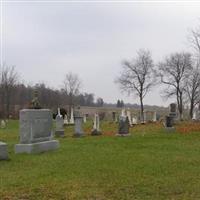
x=128, y=113
x=173, y=110
x=134, y=121
x=3, y=124
x=3, y=151
x=116, y=118
x=123, y=114
x=59, y=124
x=113, y=116
x=123, y=129
x=71, y=121
x=195, y=114
x=35, y=130
x=84, y=118
x=154, y=116
x=143, y=121
x=96, y=126
x=169, y=123
x=78, y=119
x=66, y=122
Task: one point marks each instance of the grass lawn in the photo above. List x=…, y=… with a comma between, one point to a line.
x=150, y=164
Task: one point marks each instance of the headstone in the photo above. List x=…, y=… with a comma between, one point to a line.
x=123, y=114
x=59, y=124
x=134, y=121
x=116, y=118
x=143, y=121
x=173, y=110
x=3, y=124
x=96, y=126
x=71, y=121
x=35, y=131
x=169, y=123
x=66, y=122
x=113, y=116
x=84, y=118
x=154, y=116
x=123, y=129
x=78, y=119
x=194, y=116
x=128, y=113
x=3, y=151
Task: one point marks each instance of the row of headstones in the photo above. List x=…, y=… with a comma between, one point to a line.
x=36, y=131
x=133, y=120
x=77, y=120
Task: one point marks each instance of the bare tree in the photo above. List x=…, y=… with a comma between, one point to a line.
x=193, y=89
x=173, y=72
x=194, y=40
x=8, y=79
x=71, y=87
x=138, y=77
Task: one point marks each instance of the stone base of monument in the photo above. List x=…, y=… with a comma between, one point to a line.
x=123, y=135
x=3, y=151
x=95, y=132
x=59, y=133
x=37, y=147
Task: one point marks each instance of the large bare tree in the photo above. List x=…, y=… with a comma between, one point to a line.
x=8, y=80
x=193, y=89
x=138, y=76
x=173, y=72
x=71, y=87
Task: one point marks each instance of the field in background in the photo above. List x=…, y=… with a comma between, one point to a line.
x=150, y=164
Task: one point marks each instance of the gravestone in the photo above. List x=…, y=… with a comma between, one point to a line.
x=173, y=110
x=3, y=151
x=123, y=114
x=66, y=122
x=59, y=124
x=35, y=131
x=154, y=116
x=128, y=113
x=169, y=123
x=96, y=126
x=143, y=121
x=123, y=129
x=3, y=124
x=71, y=121
x=84, y=118
x=78, y=119
x=134, y=121
x=113, y=116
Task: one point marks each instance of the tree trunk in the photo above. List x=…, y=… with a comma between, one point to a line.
x=142, y=109
x=191, y=108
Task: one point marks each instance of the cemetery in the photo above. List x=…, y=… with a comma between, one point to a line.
x=99, y=100
x=59, y=163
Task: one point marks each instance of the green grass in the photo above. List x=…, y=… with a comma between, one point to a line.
x=150, y=164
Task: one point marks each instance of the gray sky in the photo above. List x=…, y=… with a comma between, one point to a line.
x=45, y=40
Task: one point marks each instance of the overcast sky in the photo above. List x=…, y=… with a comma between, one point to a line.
x=45, y=40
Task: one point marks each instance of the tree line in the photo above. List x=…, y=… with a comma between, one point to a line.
x=15, y=95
